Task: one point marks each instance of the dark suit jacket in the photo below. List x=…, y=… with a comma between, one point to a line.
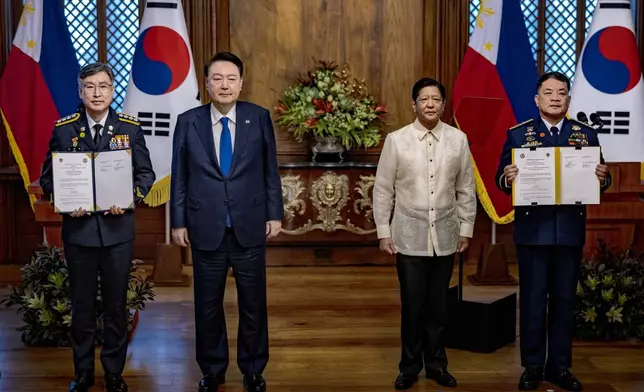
x=98, y=229
x=547, y=225
x=201, y=195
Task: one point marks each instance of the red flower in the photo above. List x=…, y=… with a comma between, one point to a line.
x=281, y=108
x=311, y=122
x=322, y=106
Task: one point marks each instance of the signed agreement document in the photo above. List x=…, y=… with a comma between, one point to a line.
x=92, y=181
x=113, y=176
x=73, y=181
x=577, y=181
x=535, y=184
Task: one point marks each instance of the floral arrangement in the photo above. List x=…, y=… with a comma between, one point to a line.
x=610, y=296
x=328, y=101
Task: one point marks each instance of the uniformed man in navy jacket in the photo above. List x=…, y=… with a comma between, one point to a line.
x=549, y=242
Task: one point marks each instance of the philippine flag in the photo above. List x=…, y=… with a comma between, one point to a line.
x=163, y=84
x=39, y=84
x=608, y=82
x=495, y=90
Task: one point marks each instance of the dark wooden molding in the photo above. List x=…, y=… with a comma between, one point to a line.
x=101, y=27
x=581, y=26
x=541, y=36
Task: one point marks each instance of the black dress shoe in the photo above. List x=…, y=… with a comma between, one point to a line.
x=531, y=379
x=211, y=382
x=82, y=382
x=115, y=384
x=441, y=376
x=563, y=379
x=254, y=383
x=405, y=381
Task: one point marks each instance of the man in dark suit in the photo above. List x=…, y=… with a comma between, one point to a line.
x=226, y=199
x=549, y=242
x=99, y=243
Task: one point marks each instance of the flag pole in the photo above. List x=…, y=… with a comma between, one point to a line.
x=167, y=222
x=493, y=233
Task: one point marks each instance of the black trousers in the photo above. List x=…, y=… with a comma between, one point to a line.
x=210, y=272
x=424, y=283
x=548, y=275
x=84, y=264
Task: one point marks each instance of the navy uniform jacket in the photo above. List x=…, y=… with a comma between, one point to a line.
x=98, y=229
x=202, y=196
x=547, y=225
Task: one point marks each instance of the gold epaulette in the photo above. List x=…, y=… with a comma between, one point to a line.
x=522, y=124
x=69, y=119
x=128, y=119
x=583, y=124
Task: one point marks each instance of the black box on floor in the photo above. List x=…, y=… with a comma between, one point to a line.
x=481, y=327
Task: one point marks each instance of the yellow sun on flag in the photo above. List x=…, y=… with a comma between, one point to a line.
x=483, y=11
x=29, y=9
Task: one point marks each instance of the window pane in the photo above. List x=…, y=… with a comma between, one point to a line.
x=531, y=15
x=590, y=9
x=122, y=33
x=474, y=11
x=83, y=27
x=560, y=39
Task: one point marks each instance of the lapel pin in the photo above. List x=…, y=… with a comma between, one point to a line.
x=110, y=128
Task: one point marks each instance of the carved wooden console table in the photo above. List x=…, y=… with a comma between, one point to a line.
x=328, y=216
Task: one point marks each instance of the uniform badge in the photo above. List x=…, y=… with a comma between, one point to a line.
x=530, y=138
x=531, y=143
x=578, y=139
x=576, y=128
x=119, y=142
x=74, y=142
x=542, y=134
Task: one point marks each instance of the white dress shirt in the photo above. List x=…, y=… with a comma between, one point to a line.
x=559, y=125
x=427, y=178
x=91, y=123
x=217, y=127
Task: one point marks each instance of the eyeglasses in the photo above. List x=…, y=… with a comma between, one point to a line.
x=91, y=88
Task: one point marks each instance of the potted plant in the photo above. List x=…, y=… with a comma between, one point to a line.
x=334, y=108
x=43, y=299
x=610, y=296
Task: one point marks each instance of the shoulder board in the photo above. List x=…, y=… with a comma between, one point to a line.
x=128, y=119
x=69, y=119
x=577, y=122
x=522, y=124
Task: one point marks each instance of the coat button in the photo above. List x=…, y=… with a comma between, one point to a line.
x=226, y=202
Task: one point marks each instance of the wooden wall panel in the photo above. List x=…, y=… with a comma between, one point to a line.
x=381, y=40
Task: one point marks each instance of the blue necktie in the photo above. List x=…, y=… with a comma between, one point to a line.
x=225, y=153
